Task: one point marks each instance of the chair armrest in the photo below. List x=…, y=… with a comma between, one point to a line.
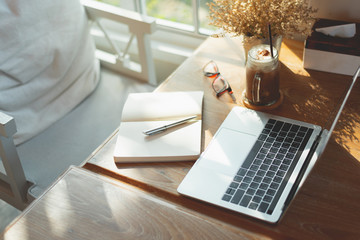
x=7, y=125
x=14, y=188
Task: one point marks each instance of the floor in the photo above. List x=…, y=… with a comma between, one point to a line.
x=73, y=138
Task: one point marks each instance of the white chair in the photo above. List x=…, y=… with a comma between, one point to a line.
x=14, y=187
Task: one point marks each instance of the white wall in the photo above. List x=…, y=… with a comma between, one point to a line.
x=347, y=10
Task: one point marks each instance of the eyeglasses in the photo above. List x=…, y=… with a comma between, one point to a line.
x=219, y=84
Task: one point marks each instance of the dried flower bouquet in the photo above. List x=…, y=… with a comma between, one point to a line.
x=252, y=17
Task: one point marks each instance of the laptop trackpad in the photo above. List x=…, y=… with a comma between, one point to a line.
x=227, y=151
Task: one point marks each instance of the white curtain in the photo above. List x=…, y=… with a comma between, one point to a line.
x=47, y=63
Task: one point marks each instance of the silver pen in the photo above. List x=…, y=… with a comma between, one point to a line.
x=165, y=127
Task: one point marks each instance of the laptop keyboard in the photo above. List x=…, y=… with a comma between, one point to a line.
x=261, y=179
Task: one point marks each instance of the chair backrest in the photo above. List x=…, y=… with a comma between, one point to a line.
x=140, y=27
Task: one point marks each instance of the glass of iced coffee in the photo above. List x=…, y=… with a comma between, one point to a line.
x=262, y=76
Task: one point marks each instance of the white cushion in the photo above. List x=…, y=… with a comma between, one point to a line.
x=47, y=63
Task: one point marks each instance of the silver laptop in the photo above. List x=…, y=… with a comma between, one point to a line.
x=256, y=162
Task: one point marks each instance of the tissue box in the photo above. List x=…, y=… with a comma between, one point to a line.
x=332, y=54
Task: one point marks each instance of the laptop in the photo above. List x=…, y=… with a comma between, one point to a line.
x=256, y=162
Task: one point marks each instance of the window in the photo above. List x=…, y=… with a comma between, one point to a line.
x=190, y=16
x=181, y=27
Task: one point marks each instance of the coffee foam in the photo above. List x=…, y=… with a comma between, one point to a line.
x=262, y=53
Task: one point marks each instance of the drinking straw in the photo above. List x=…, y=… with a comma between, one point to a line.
x=271, y=44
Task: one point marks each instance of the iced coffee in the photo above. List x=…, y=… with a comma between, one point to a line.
x=262, y=76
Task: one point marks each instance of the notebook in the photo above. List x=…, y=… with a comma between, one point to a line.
x=144, y=111
x=256, y=162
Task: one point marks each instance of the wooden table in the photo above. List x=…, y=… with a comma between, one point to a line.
x=326, y=207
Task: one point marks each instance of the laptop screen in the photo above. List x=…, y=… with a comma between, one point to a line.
x=338, y=109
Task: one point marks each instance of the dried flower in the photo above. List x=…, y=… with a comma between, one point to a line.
x=252, y=17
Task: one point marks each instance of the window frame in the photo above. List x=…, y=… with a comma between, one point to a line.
x=171, y=43
x=192, y=30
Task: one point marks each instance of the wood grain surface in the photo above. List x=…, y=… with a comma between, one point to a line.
x=141, y=201
x=84, y=205
x=327, y=206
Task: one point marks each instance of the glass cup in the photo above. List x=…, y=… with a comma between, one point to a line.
x=262, y=76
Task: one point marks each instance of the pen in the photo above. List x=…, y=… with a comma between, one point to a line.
x=165, y=127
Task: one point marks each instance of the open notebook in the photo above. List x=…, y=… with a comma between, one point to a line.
x=144, y=111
